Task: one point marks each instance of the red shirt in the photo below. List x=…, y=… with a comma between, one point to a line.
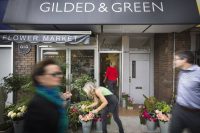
x=111, y=73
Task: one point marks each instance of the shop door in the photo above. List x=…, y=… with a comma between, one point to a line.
x=139, y=77
x=105, y=60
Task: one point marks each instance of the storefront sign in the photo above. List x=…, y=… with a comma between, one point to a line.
x=102, y=12
x=21, y=38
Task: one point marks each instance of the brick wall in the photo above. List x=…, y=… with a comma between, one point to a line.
x=23, y=64
x=163, y=61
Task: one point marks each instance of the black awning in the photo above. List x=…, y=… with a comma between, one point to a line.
x=38, y=38
x=102, y=12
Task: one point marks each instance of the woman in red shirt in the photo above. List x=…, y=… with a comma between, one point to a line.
x=112, y=77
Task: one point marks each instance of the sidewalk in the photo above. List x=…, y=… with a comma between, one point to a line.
x=130, y=121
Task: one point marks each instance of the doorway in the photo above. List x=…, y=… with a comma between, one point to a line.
x=139, y=77
x=105, y=60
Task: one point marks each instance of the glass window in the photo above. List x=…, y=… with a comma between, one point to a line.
x=82, y=62
x=110, y=43
x=58, y=55
x=139, y=43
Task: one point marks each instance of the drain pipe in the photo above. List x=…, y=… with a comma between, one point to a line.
x=173, y=71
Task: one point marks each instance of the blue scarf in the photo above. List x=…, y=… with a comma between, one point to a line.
x=53, y=95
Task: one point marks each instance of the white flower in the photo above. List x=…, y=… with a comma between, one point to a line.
x=9, y=113
x=19, y=114
x=23, y=109
x=19, y=108
x=13, y=115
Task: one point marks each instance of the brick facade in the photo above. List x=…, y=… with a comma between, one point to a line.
x=163, y=61
x=23, y=64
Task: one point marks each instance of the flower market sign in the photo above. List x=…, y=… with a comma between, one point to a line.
x=22, y=38
x=102, y=12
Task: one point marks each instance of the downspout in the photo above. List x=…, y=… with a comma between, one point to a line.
x=173, y=71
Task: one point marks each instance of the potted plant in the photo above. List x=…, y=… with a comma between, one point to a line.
x=86, y=116
x=77, y=85
x=13, y=83
x=5, y=124
x=73, y=117
x=16, y=114
x=74, y=111
x=130, y=104
x=163, y=114
x=98, y=122
x=124, y=99
x=147, y=113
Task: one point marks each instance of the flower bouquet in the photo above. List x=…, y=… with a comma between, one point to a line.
x=163, y=111
x=147, y=111
x=130, y=103
x=73, y=117
x=145, y=115
x=17, y=113
x=163, y=114
x=86, y=121
x=75, y=111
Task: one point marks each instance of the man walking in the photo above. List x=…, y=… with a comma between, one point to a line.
x=186, y=111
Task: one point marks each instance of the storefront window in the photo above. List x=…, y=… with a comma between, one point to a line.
x=82, y=62
x=58, y=55
x=139, y=44
x=110, y=43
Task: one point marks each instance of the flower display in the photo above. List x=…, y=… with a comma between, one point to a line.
x=163, y=111
x=148, y=116
x=130, y=102
x=17, y=113
x=162, y=117
x=97, y=117
x=77, y=112
x=147, y=111
x=124, y=95
x=86, y=117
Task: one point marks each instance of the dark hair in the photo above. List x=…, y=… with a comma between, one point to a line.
x=188, y=55
x=39, y=69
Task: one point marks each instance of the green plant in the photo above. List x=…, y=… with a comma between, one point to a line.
x=74, y=111
x=77, y=85
x=150, y=104
x=163, y=111
x=130, y=102
x=14, y=82
x=125, y=96
x=16, y=112
x=163, y=107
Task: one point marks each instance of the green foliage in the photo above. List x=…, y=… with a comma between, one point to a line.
x=14, y=82
x=125, y=96
x=150, y=104
x=163, y=107
x=77, y=93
